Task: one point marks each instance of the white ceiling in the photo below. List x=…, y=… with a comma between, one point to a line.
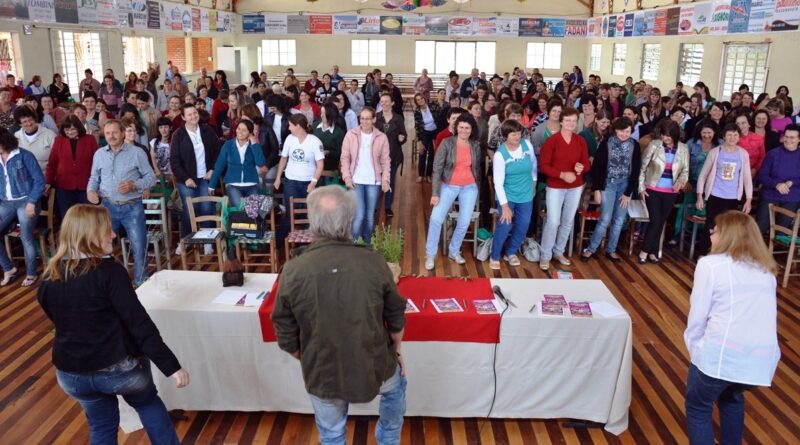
x=551, y=8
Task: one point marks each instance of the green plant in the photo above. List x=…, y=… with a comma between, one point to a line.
x=388, y=243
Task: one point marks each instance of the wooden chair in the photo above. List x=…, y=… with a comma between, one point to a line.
x=785, y=237
x=45, y=235
x=156, y=223
x=250, y=258
x=195, y=243
x=298, y=225
x=691, y=223
x=449, y=226
x=584, y=215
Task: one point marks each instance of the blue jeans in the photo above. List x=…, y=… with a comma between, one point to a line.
x=236, y=193
x=467, y=195
x=291, y=189
x=97, y=394
x=364, y=221
x=561, y=207
x=131, y=218
x=331, y=414
x=204, y=209
x=518, y=227
x=16, y=209
x=701, y=392
x=611, y=213
x=388, y=200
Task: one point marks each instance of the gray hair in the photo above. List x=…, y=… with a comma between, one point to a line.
x=331, y=210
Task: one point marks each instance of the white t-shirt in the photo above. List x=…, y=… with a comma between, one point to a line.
x=365, y=172
x=302, y=158
x=199, y=151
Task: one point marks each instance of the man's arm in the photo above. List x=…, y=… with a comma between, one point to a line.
x=147, y=178
x=287, y=329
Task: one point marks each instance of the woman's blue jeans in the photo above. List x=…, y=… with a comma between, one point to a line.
x=236, y=193
x=701, y=393
x=467, y=196
x=611, y=213
x=97, y=393
x=9, y=210
x=364, y=221
x=518, y=227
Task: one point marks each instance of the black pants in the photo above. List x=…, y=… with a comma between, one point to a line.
x=425, y=164
x=659, y=206
x=714, y=206
x=68, y=198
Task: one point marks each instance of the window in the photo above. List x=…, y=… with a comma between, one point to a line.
x=443, y=57
x=279, y=52
x=76, y=51
x=8, y=61
x=594, y=59
x=137, y=52
x=651, y=54
x=618, y=62
x=690, y=63
x=544, y=55
x=744, y=64
x=368, y=52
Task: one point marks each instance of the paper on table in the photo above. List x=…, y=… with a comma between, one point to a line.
x=253, y=299
x=229, y=297
x=606, y=309
x=206, y=234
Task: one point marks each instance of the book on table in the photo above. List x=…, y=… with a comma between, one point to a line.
x=555, y=299
x=209, y=234
x=552, y=309
x=580, y=309
x=443, y=305
x=411, y=308
x=486, y=307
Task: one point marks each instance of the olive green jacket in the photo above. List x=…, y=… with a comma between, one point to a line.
x=337, y=303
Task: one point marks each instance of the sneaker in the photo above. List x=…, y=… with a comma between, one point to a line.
x=544, y=265
x=512, y=260
x=494, y=264
x=429, y=262
x=457, y=258
x=178, y=250
x=208, y=249
x=564, y=261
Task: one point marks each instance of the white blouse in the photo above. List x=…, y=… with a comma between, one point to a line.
x=731, y=333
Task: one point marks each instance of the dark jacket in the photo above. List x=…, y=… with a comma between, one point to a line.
x=336, y=305
x=393, y=130
x=467, y=89
x=270, y=145
x=600, y=168
x=100, y=321
x=181, y=153
x=444, y=162
x=419, y=123
x=60, y=96
x=284, y=126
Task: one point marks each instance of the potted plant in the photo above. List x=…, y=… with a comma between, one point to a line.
x=389, y=243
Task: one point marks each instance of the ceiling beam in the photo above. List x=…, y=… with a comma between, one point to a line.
x=588, y=3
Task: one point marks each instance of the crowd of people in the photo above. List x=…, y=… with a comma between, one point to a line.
x=512, y=141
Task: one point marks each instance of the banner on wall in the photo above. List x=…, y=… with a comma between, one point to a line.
x=345, y=24
x=42, y=10
x=107, y=14
x=297, y=24
x=702, y=18
x=576, y=28
x=761, y=12
x=153, y=15
x=554, y=27
x=392, y=25
x=186, y=19
x=660, y=23
x=719, y=17
x=459, y=26
x=138, y=14
x=436, y=26
x=673, y=21
x=87, y=12
x=686, y=24
x=507, y=27
x=124, y=15
x=196, y=25
x=66, y=11
x=484, y=26
x=629, y=23
x=212, y=20
x=14, y=9
x=620, y=29
x=786, y=17
x=320, y=24
x=275, y=24
x=739, y=18
x=413, y=25
x=253, y=24
x=369, y=24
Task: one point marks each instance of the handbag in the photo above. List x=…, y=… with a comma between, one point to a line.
x=484, y=249
x=232, y=270
x=532, y=250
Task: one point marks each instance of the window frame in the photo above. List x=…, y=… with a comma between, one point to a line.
x=67, y=66
x=594, y=60
x=651, y=67
x=286, y=52
x=548, y=59
x=749, y=50
x=143, y=60
x=445, y=55
x=618, y=64
x=375, y=52
x=683, y=76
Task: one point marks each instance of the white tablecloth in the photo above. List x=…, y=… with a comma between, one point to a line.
x=546, y=367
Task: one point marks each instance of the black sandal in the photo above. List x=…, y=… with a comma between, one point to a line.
x=653, y=259
x=642, y=259
x=584, y=257
x=614, y=257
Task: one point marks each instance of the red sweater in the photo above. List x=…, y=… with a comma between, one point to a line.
x=558, y=156
x=66, y=172
x=444, y=134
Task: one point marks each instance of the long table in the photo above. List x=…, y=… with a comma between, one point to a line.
x=547, y=367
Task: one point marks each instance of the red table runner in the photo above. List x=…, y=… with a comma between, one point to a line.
x=428, y=325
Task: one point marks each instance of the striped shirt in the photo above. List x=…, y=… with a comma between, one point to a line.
x=665, y=183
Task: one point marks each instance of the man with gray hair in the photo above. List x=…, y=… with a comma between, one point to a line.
x=338, y=311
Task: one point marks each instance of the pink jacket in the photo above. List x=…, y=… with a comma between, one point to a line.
x=380, y=154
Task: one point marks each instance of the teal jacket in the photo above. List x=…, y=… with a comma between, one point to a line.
x=230, y=164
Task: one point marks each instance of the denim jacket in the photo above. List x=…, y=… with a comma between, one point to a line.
x=26, y=177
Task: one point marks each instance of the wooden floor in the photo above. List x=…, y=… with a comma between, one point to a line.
x=33, y=409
